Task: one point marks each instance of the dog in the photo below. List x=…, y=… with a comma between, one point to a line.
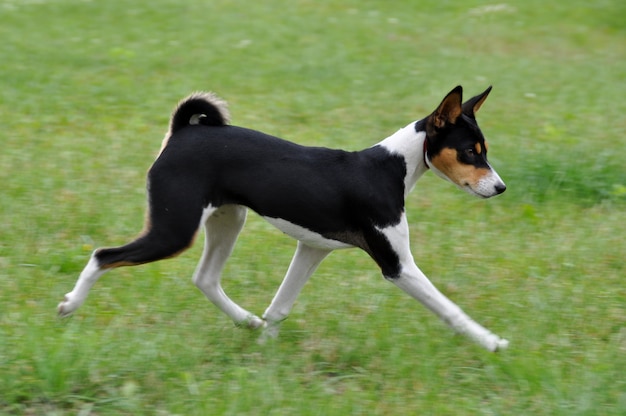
x=209, y=173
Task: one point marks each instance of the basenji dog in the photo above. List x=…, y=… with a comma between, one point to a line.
x=208, y=173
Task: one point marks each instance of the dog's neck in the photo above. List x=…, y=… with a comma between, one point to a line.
x=410, y=143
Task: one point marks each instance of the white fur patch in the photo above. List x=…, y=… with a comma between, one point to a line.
x=86, y=280
x=486, y=187
x=307, y=236
x=408, y=143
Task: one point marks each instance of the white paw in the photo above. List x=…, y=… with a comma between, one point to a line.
x=254, y=322
x=66, y=307
x=502, y=344
x=495, y=343
x=251, y=322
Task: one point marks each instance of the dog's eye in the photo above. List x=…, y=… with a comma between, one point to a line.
x=470, y=151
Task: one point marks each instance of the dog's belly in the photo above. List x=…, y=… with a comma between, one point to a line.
x=307, y=236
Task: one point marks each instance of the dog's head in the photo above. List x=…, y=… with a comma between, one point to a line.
x=456, y=149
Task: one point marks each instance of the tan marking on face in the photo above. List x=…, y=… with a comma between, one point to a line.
x=479, y=148
x=461, y=174
x=486, y=146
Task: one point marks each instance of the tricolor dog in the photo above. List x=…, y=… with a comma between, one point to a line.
x=208, y=173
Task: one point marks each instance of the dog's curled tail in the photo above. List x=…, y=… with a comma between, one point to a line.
x=199, y=108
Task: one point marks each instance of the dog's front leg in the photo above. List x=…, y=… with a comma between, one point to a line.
x=408, y=277
x=416, y=284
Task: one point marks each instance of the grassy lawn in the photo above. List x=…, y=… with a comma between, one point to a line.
x=86, y=91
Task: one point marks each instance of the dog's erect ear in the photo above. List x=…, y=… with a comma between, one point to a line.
x=471, y=106
x=450, y=108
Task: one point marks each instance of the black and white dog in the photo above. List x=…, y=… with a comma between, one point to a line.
x=209, y=172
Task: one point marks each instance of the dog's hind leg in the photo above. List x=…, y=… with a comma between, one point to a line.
x=88, y=277
x=222, y=229
x=154, y=245
x=171, y=228
x=304, y=262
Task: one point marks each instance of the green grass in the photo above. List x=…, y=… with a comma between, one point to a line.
x=86, y=91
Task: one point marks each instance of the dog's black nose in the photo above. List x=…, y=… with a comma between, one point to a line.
x=500, y=188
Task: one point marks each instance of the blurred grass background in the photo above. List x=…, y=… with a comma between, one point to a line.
x=86, y=91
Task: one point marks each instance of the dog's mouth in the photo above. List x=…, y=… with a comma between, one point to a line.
x=484, y=192
x=468, y=188
x=488, y=186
